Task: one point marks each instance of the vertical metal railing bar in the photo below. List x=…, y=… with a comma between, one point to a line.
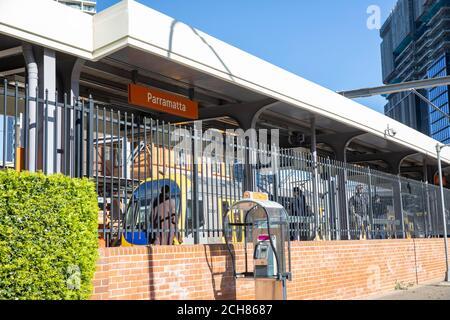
x=331, y=202
x=164, y=226
x=190, y=166
x=206, y=204
x=135, y=202
x=299, y=178
x=200, y=167
x=90, y=137
x=214, y=214
x=183, y=187
x=177, y=185
x=147, y=215
x=45, y=135
x=223, y=196
x=111, y=173
x=152, y=226
x=120, y=214
x=279, y=176
x=285, y=182
x=139, y=193
x=16, y=142
x=187, y=190
x=73, y=138
x=313, y=224
x=428, y=218
x=195, y=189
x=325, y=198
x=55, y=131
x=217, y=211
x=125, y=169
x=65, y=129
x=82, y=142
x=5, y=103
x=172, y=182
x=96, y=148
x=403, y=202
x=26, y=134
x=104, y=177
x=36, y=126
x=425, y=209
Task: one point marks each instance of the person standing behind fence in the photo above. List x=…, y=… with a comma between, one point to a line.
x=380, y=211
x=298, y=210
x=164, y=217
x=359, y=206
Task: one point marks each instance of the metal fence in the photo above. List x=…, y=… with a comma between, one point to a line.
x=151, y=190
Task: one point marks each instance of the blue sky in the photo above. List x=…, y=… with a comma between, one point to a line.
x=325, y=41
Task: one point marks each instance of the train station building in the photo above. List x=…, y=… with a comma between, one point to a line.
x=104, y=96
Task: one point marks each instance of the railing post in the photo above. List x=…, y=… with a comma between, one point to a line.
x=402, y=218
x=334, y=202
x=249, y=168
x=5, y=103
x=426, y=199
x=26, y=128
x=195, y=195
x=370, y=207
x=45, y=134
x=430, y=215
x=90, y=137
x=345, y=202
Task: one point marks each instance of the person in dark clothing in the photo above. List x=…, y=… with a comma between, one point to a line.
x=359, y=207
x=299, y=203
x=298, y=208
x=380, y=212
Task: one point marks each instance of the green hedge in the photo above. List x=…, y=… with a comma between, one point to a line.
x=48, y=236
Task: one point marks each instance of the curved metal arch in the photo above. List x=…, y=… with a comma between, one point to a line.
x=259, y=113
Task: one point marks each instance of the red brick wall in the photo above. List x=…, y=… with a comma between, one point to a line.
x=321, y=270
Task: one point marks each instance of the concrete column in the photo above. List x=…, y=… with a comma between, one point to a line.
x=32, y=80
x=46, y=59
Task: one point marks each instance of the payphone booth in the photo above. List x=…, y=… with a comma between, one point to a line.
x=263, y=227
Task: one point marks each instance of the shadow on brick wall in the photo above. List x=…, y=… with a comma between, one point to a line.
x=221, y=269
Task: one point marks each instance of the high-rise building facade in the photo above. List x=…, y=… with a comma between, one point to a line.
x=88, y=6
x=416, y=45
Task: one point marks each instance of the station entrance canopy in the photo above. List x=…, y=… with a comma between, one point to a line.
x=131, y=43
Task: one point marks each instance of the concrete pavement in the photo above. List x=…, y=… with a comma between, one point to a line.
x=437, y=291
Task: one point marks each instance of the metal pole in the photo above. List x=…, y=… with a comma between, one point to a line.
x=90, y=138
x=441, y=187
x=317, y=234
x=402, y=217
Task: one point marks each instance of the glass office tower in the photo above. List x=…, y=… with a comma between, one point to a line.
x=439, y=124
x=415, y=46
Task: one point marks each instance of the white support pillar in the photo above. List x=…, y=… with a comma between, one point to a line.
x=47, y=86
x=33, y=76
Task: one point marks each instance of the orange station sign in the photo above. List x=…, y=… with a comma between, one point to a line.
x=162, y=101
